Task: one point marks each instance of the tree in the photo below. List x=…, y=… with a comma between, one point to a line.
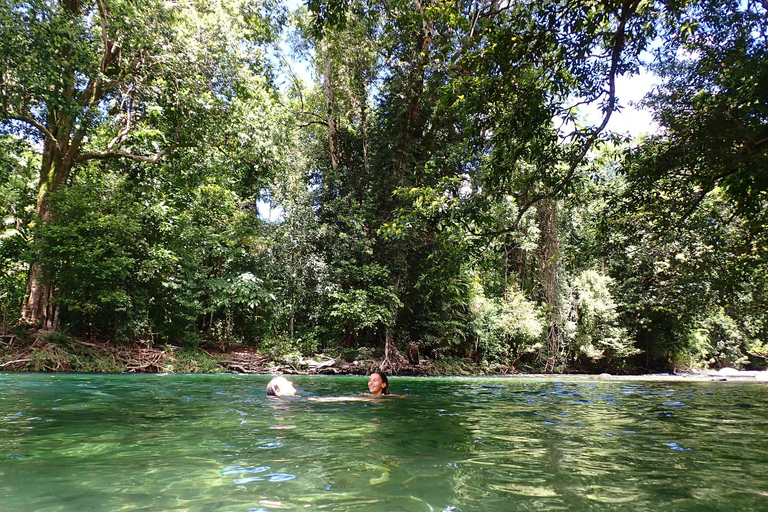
x=711, y=104
x=505, y=76
x=464, y=147
x=690, y=251
x=102, y=80
x=19, y=165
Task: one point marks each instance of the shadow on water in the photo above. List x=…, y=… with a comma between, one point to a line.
x=217, y=442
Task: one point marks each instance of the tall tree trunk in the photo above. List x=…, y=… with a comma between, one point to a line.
x=37, y=310
x=415, y=89
x=364, y=128
x=57, y=163
x=333, y=134
x=550, y=279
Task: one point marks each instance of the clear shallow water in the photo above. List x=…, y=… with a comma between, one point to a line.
x=216, y=442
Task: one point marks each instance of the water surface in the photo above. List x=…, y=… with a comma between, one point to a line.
x=76, y=442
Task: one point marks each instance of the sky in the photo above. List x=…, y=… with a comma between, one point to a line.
x=632, y=120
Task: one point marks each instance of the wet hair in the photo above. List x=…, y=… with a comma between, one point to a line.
x=272, y=387
x=384, y=380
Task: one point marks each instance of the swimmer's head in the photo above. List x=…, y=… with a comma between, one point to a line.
x=378, y=384
x=280, y=386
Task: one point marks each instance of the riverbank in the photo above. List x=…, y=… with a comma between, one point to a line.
x=55, y=352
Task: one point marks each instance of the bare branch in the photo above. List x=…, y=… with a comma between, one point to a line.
x=315, y=114
x=474, y=21
x=13, y=362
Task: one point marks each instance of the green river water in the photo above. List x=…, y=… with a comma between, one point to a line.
x=74, y=442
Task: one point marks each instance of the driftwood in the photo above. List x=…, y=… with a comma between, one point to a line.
x=11, y=338
x=14, y=362
x=246, y=361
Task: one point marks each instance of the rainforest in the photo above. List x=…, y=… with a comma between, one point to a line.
x=424, y=186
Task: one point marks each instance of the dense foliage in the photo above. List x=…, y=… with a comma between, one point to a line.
x=435, y=184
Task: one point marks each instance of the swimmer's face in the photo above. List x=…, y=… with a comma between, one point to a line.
x=375, y=385
x=284, y=387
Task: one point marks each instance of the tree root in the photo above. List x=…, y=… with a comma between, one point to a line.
x=46, y=355
x=145, y=359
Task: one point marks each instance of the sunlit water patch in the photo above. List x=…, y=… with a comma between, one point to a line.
x=216, y=442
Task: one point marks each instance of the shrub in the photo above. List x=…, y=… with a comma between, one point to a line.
x=506, y=327
x=593, y=325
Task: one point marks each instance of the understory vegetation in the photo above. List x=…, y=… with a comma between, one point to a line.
x=440, y=183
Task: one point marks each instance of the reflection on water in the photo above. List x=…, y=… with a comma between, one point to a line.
x=216, y=442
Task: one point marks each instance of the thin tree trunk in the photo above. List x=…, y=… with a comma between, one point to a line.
x=291, y=321
x=506, y=266
x=364, y=128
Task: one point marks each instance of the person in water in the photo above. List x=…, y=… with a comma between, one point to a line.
x=378, y=384
x=280, y=386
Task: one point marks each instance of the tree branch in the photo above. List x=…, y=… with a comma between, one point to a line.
x=11, y=114
x=628, y=9
x=294, y=78
x=128, y=123
x=760, y=142
x=618, y=45
x=304, y=125
x=119, y=153
x=474, y=21
x=323, y=120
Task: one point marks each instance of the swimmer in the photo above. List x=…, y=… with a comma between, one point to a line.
x=378, y=384
x=280, y=386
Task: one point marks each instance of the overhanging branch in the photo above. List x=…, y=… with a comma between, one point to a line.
x=619, y=39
